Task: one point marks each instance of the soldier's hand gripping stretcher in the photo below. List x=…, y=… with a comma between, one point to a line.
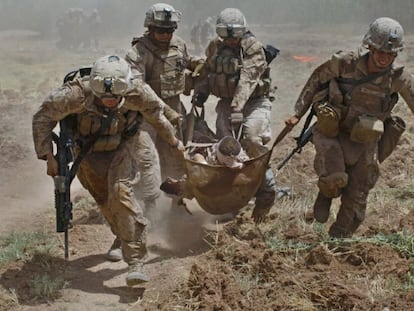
x=304, y=137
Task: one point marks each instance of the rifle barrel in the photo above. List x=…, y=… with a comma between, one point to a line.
x=282, y=135
x=285, y=160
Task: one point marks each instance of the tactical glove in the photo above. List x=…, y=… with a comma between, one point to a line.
x=199, y=99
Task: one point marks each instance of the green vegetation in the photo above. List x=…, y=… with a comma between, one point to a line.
x=38, y=250
x=23, y=246
x=47, y=287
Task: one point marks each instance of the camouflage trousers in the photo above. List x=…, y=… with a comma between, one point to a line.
x=172, y=164
x=256, y=133
x=347, y=170
x=112, y=177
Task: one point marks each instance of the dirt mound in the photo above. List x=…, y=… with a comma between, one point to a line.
x=247, y=271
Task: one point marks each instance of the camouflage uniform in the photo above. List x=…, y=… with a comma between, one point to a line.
x=92, y=30
x=117, y=159
x=240, y=77
x=347, y=168
x=163, y=69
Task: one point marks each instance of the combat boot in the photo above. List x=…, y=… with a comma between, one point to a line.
x=321, y=208
x=264, y=202
x=172, y=186
x=115, y=253
x=135, y=275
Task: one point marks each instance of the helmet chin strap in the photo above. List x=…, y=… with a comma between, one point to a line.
x=121, y=102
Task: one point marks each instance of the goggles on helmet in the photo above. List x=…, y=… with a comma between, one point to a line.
x=109, y=87
x=167, y=15
x=230, y=31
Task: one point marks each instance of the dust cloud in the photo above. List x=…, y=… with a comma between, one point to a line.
x=34, y=62
x=174, y=231
x=127, y=16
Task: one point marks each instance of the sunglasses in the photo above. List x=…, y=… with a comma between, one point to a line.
x=163, y=30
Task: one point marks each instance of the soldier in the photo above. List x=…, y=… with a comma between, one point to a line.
x=236, y=71
x=354, y=129
x=161, y=58
x=195, y=37
x=207, y=31
x=66, y=30
x=117, y=158
x=92, y=32
x=77, y=26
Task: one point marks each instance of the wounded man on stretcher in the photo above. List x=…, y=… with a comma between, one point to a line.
x=221, y=177
x=227, y=152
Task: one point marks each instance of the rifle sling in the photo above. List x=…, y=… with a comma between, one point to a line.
x=365, y=79
x=90, y=142
x=306, y=125
x=155, y=53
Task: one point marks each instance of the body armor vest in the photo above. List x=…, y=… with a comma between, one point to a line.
x=165, y=74
x=373, y=98
x=225, y=74
x=124, y=124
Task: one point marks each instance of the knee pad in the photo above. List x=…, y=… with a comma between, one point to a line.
x=331, y=185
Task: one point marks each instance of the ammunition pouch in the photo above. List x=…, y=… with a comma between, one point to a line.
x=393, y=128
x=366, y=129
x=172, y=84
x=328, y=107
x=227, y=64
x=107, y=143
x=328, y=119
x=222, y=85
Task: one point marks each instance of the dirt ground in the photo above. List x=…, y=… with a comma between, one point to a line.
x=200, y=261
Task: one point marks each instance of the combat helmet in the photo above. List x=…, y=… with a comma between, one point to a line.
x=385, y=34
x=162, y=15
x=110, y=76
x=231, y=23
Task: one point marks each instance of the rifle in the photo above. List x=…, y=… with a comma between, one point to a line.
x=304, y=137
x=66, y=174
x=301, y=141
